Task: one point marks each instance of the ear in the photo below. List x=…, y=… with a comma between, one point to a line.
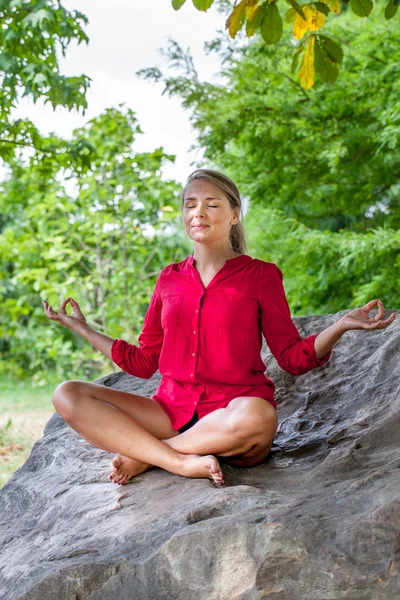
x=235, y=216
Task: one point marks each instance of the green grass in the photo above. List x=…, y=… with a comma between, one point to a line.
x=24, y=411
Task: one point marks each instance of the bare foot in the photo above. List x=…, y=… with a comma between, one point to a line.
x=124, y=468
x=196, y=465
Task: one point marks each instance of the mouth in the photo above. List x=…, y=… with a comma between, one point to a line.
x=199, y=226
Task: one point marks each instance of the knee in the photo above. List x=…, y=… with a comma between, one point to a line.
x=65, y=397
x=254, y=423
x=260, y=456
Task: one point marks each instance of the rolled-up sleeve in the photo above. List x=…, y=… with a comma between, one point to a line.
x=294, y=354
x=142, y=361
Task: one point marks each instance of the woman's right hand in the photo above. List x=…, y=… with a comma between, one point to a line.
x=73, y=321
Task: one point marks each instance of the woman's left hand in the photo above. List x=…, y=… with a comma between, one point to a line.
x=359, y=319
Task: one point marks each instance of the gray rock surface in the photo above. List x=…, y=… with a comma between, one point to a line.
x=317, y=520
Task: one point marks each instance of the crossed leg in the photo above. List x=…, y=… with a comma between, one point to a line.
x=240, y=434
x=140, y=431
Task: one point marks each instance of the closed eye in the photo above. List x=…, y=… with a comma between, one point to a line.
x=210, y=205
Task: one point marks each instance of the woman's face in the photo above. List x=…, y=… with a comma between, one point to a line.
x=206, y=204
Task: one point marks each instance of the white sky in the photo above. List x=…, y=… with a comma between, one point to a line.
x=125, y=36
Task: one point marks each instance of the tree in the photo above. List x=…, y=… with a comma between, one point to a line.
x=103, y=243
x=321, y=170
x=32, y=32
x=320, y=55
x=328, y=159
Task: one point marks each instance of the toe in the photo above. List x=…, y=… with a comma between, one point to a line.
x=217, y=475
x=115, y=463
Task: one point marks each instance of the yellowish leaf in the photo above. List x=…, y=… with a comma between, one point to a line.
x=300, y=27
x=334, y=5
x=306, y=72
x=250, y=11
x=235, y=19
x=315, y=19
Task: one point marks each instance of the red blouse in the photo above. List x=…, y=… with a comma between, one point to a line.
x=207, y=342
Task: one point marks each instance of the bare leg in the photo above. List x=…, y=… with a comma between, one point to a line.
x=240, y=434
x=106, y=426
x=247, y=426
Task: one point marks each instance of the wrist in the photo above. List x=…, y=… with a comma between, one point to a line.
x=81, y=328
x=341, y=326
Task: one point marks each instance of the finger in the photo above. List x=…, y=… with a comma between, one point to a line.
x=371, y=304
x=49, y=311
x=385, y=321
x=374, y=325
x=74, y=304
x=381, y=311
x=389, y=319
x=381, y=324
x=63, y=305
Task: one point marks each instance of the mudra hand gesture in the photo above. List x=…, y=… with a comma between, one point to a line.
x=71, y=321
x=359, y=319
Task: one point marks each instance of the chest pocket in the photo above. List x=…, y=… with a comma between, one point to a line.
x=171, y=311
x=236, y=312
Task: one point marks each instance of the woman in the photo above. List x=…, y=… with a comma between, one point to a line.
x=203, y=331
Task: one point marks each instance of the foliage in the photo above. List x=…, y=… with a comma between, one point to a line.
x=32, y=34
x=330, y=160
x=322, y=56
x=327, y=162
x=324, y=271
x=103, y=244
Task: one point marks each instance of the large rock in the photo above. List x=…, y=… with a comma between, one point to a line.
x=319, y=519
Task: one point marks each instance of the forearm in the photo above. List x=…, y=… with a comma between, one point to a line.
x=328, y=338
x=98, y=340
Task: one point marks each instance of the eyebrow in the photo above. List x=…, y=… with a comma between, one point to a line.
x=208, y=198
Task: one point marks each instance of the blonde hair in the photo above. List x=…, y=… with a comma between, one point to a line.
x=237, y=237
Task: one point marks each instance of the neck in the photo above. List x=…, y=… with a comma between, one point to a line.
x=207, y=259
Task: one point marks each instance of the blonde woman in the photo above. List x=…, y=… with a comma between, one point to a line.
x=202, y=330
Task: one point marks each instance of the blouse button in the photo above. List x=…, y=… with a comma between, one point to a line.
x=194, y=331
x=191, y=374
x=193, y=353
x=197, y=311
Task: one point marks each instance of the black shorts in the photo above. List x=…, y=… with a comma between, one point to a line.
x=190, y=424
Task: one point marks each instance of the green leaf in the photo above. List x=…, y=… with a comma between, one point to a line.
x=296, y=57
x=271, y=25
x=323, y=8
x=254, y=24
x=391, y=9
x=324, y=66
x=40, y=79
x=176, y=4
x=202, y=4
x=290, y=16
x=297, y=8
x=362, y=8
x=332, y=48
x=36, y=18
